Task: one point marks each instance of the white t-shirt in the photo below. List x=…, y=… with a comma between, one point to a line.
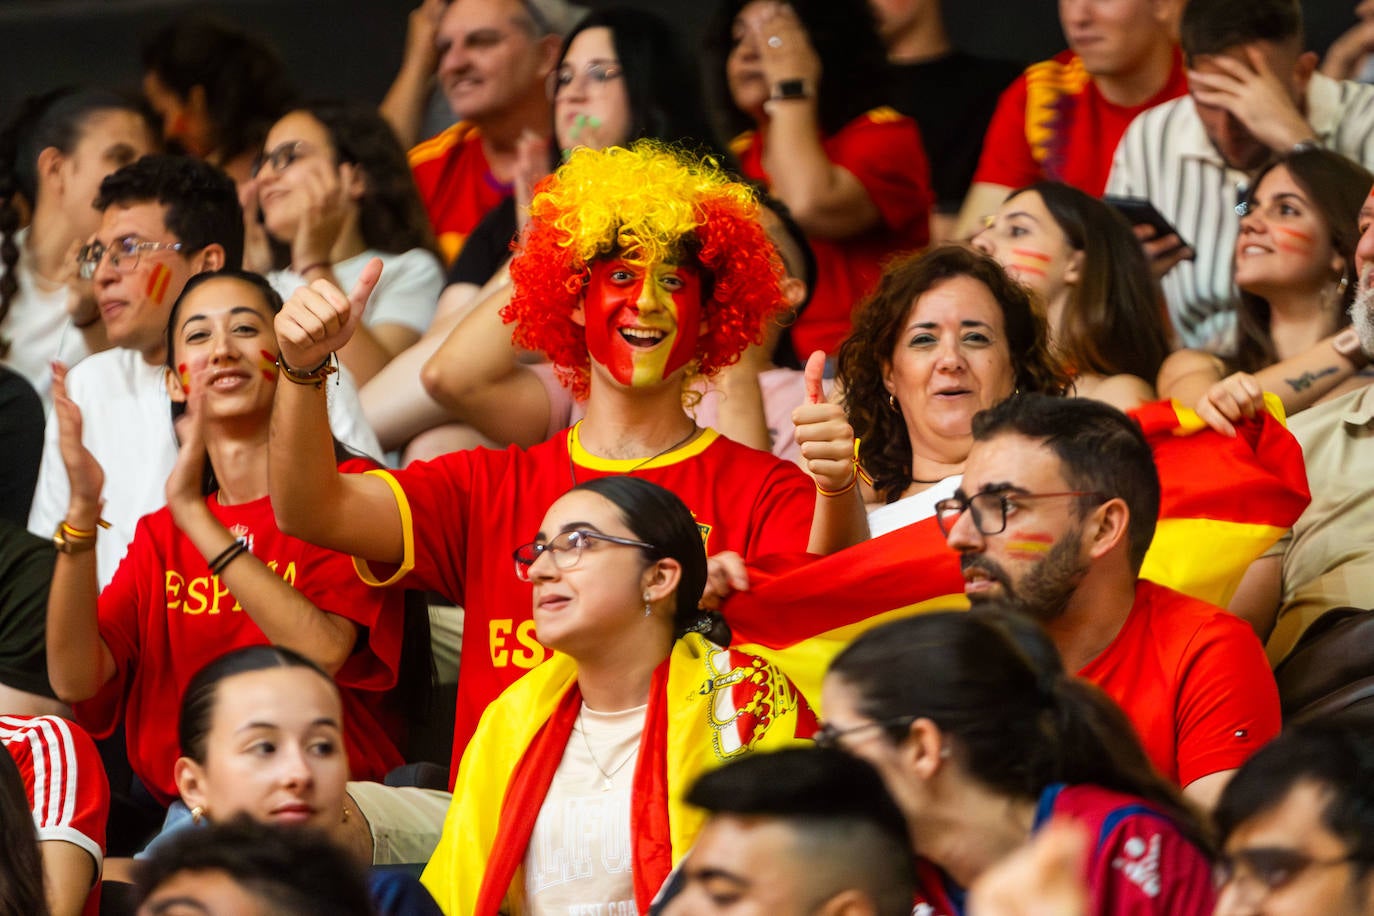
x=38, y=327
x=580, y=855
x=910, y=509
x=407, y=293
x=126, y=422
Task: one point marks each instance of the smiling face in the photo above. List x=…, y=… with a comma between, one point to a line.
x=489, y=59
x=223, y=339
x=274, y=751
x=109, y=140
x=1115, y=37
x=951, y=361
x=580, y=609
x=590, y=104
x=1024, y=237
x=643, y=323
x=1038, y=560
x=1284, y=244
x=297, y=152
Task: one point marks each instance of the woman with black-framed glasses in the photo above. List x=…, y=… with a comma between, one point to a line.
x=584, y=759
x=982, y=740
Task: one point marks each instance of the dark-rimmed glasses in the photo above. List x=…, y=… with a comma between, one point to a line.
x=597, y=73
x=990, y=508
x=1268, y=867
x=566, y=549
x=828, y=736
x=123, y=254
x=281, y=156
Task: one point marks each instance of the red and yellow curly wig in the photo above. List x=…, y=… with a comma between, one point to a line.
x=645, y=204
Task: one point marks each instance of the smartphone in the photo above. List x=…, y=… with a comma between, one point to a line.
x=1138, y=210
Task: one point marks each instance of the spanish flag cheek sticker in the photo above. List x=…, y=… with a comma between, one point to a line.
x=268, y=365
x=159, y=278
x=184, y=373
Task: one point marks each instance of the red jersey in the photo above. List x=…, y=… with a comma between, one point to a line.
x=464, y=513
x=164, y=617
x=1053, y=123
x=65, y=782
x=1140, y=864
x=1194, y=681
x=455, y=184
x=883, y=150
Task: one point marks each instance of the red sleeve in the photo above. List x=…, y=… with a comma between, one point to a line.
x=1006, y=157
x=1228, y=703
x=883, y=150
x=1144, y=867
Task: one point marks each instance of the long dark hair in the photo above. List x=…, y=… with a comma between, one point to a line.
x=1018, y=722
x=54, y=119
x=885, y=449
x=244, y=80
x=1337, y=188
x=1112, y=323
x=391, y=216
x=21, y=875
x=658, y=517
x=844, y=33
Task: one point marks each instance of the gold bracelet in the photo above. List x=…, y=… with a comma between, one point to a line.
x=69, y=540
x=315, y=377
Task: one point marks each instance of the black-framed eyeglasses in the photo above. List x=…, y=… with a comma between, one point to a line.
x=597, y=73
x=990, y=508
x=1269, y=867
x=828, y=736
x=281, y=156
x=566, y=549
x=123, y=254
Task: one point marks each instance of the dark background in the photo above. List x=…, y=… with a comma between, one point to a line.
x=351, y=48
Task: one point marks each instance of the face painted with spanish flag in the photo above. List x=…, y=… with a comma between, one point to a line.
x=642, y=322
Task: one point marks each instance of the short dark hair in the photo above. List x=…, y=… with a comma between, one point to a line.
x=1339, y=760
x=1214, y=26
x=202, y=202
x=296, y=872
x=1100, y=450
x=835, y=804
x=885, y=449
x=202, y=691
x=658, y=517
x=244, y=80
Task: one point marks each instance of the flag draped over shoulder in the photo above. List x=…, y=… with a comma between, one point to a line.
x=707, y=705
x=1224, y=502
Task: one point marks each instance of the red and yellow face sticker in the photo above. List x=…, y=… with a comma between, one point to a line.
x=643, y=322
x=159, y=278
x=267, y=364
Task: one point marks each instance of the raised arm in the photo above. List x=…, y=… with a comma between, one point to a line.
x=351, y=513
x=476, y=374
x=79, y=660
x=404, y=105
x=827, y=447
x=827, y=200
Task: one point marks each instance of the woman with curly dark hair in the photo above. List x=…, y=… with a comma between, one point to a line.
x=809, y=78
x=946, y=334
x=333, y=184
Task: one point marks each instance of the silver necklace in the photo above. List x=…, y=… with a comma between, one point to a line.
x=605, y=777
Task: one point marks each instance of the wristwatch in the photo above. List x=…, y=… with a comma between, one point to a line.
x=787, y=90
x=1347, y=344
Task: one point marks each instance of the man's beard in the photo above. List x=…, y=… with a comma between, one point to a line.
x=1362, y=310
x=1044, y=592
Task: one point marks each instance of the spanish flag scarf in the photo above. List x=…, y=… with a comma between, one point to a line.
x=707, y=705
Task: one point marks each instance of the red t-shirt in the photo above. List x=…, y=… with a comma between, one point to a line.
x=456, y=184
x=1140, y=864
x=464, y=513
x=65, y=782
x=1193, y=680
x=1053, y=123
x=883, y=150
x=164, y=617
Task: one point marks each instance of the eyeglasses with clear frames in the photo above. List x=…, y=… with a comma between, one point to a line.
x=123, y=254
x=828, y=737
x=597, y=74
x=990, y=508
x=566, y=549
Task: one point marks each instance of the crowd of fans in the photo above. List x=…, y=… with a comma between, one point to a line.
x=404, y=532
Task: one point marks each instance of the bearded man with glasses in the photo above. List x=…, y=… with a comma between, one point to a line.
x=1057, y=507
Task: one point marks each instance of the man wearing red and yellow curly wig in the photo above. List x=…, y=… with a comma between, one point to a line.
x=639, y=267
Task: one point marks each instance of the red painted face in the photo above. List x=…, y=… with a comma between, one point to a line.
x=642, y=323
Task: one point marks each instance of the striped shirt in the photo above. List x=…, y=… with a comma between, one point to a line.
x=1166, y=158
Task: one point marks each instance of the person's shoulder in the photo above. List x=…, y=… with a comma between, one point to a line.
x=448, y=142
x=747, y=458
x=1185, y=625
x=1356, y=407
x=116, y=362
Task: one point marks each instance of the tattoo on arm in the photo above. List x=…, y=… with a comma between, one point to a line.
x=1304, y=381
